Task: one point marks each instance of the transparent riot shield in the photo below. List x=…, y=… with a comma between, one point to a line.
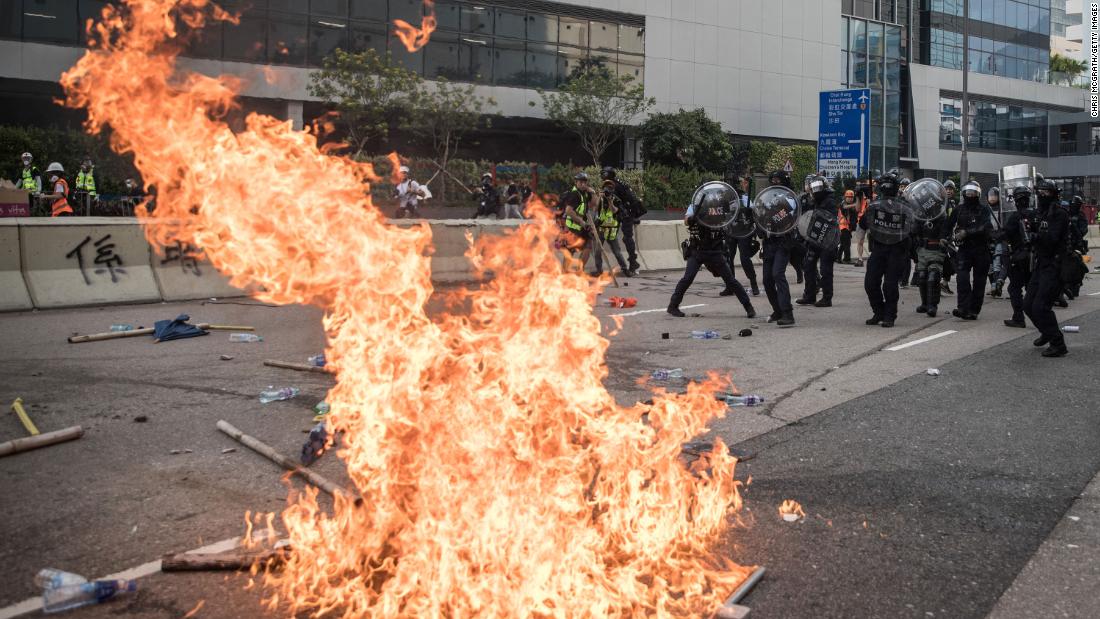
x=820, y=229
x=890, y=222
x=715, y=205
x=926, y=199
x=1013, y=176
x=775, y=210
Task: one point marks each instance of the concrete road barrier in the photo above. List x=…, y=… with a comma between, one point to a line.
x=659, y=244
x=85, y=261
x=182, y=274
x=13, y=290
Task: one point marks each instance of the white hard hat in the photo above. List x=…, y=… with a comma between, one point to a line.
x=55, y=167
x=26, y=156
x=403, y=169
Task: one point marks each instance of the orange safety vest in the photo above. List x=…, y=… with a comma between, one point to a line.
x=61, y=205
x=844, y=225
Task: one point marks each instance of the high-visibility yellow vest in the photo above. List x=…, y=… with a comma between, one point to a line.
x=609, y=226
x=582, y=211
x=29, y=181
x=85, y=182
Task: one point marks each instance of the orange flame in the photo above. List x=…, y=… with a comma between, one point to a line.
x=500, y=477
x=412, y=37
x=791, y=511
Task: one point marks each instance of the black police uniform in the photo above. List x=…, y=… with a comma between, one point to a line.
x=706, y=250
x=746, y=246
x=929, y=237
x=817, y=266
x=975, y=220
x=629, y=216
x=1050, y=243
x=488, y=201
x=884, y=267
x=1018, y=228
x=777, y=255
x=1074, y=269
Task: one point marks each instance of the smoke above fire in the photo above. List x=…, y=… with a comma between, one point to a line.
x=499, y=476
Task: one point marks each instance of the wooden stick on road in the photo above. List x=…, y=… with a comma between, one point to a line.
x=265, y=450
x=40, y=440
x=301, y=367
x=114, y=335
x=234, y=560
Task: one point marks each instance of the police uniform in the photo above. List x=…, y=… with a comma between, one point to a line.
x=746, y=246
x=887, y=261
x=929, y=238
x=972, y=225
x=608, y=227
x=1018, y=228
x=817, y=266
x=777, y=255
x=1050, y=243
x=630, y=213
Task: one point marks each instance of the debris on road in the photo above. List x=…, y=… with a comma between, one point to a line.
x=664, y=336
x=228, y=561
x=667, y=374
x=266, y=450
x=98, y=337
x=791, y=511
x=317, y=444
x=317, y=361
x=176, y=329
x=17, y=408
x=745, y=333
x=271, y=394
x=705, y=335
x=227, y=357
x=301, y=367
x=65, y=591
x=121, y=328
x=245, y=337
x=732, y=399
x=1071, y=329
x=40, y=440
x=932, y=372
x=229, y=450
x=622, y=302
x=141, y=419
x=731, y=608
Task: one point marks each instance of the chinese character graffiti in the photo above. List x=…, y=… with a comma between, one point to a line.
x=186, y=254
x=106, y=261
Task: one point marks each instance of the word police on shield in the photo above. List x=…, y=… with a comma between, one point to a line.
x=844, y=126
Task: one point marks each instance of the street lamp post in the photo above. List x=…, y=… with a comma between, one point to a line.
x=964, y=165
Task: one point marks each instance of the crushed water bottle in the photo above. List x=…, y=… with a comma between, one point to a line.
x=65, y=591
x=742, y=400
x=667, y=374
x=705, y=335
x=316, y=444
x=121, y=327
x=317, y=361
x=271, y=394
x=245, y=337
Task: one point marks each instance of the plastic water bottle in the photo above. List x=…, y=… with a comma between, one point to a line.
x=321, y=408
x=316, y=444
x=317, y=361
x=52, y=577
x=121, y=327
x=742, y=400
x=271, y=394
x=667, y=374
x=57, y=599
x=245, y=337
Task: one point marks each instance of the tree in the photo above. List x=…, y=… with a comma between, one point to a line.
x=1067, y=68
x=370, y=93
x=686, y=140
x=596, y=105
x=442, y=114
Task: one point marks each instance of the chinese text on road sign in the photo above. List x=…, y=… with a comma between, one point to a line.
x=843, y=130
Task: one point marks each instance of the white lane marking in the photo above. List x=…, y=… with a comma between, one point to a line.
x=1094, y=294
x=145, y=569
x=652, y=311
x=920, y=341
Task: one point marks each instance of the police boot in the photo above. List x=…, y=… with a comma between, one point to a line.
x=755, y=288
x=1062, y=302
x=750, y=311
x=787, y=320
x=933, y=290
x=923, y=307
x=998, y=288
x=675, y=311
x=1016, y=322
x=873, y=320
x=774, y=317
x=1056, y=349
x=807, y=300
x=1040, y=341
x=826, y=301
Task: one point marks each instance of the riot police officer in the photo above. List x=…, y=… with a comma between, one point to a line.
x=777, y=255
x=629, y=216
x=887, y=223
x=705, y=222
x=971, y=226
x=820, y=240
x=1018, y=228
x=740, y=238
x=1074, y=267
x=930, y=240
x=1050, y=243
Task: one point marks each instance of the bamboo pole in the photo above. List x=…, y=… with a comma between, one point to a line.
x=17, y=406
x=114, y=335
x=234, y=560
x=265, y=450
x=40, y=440
x=731, y=608
x=301, y=367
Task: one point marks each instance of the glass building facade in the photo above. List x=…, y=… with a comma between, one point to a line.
x=872, y=57
x=509, y=42
x=995, y=126
x=1008, y=38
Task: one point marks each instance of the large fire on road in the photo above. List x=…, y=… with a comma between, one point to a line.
x=499, y=476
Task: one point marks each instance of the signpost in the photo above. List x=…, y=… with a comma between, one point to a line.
x=844, y=126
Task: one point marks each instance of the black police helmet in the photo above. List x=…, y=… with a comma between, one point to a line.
x=607, y=173
x=781, y=176
x=1076, y=201
x=888, y=185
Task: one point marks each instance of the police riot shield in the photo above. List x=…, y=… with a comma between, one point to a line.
x=891, y=220
x=820, y=229
x=1013, y=176
x=742, y=225
x=926, y=199
x=775, y=210
x=715, y=205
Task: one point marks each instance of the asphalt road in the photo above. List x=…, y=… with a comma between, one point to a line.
x=854, y=431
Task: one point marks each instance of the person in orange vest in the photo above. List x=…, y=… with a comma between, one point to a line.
x=59, y=197
x=863, y=198
x=847, y=214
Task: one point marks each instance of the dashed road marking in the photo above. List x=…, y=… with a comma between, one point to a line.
x=920, y=341
x=653, y=311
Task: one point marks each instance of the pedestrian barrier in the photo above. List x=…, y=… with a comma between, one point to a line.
x=71, y=262
x=13, y=290
x=659, y=244
x=86, y=261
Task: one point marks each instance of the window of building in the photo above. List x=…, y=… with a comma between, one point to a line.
x=286, y=38
x=50, y=20
x=367, y=35
x=995, y=126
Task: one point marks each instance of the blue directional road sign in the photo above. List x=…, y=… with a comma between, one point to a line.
x=844, y=127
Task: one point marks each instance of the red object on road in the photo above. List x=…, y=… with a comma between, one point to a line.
x=622, y=302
